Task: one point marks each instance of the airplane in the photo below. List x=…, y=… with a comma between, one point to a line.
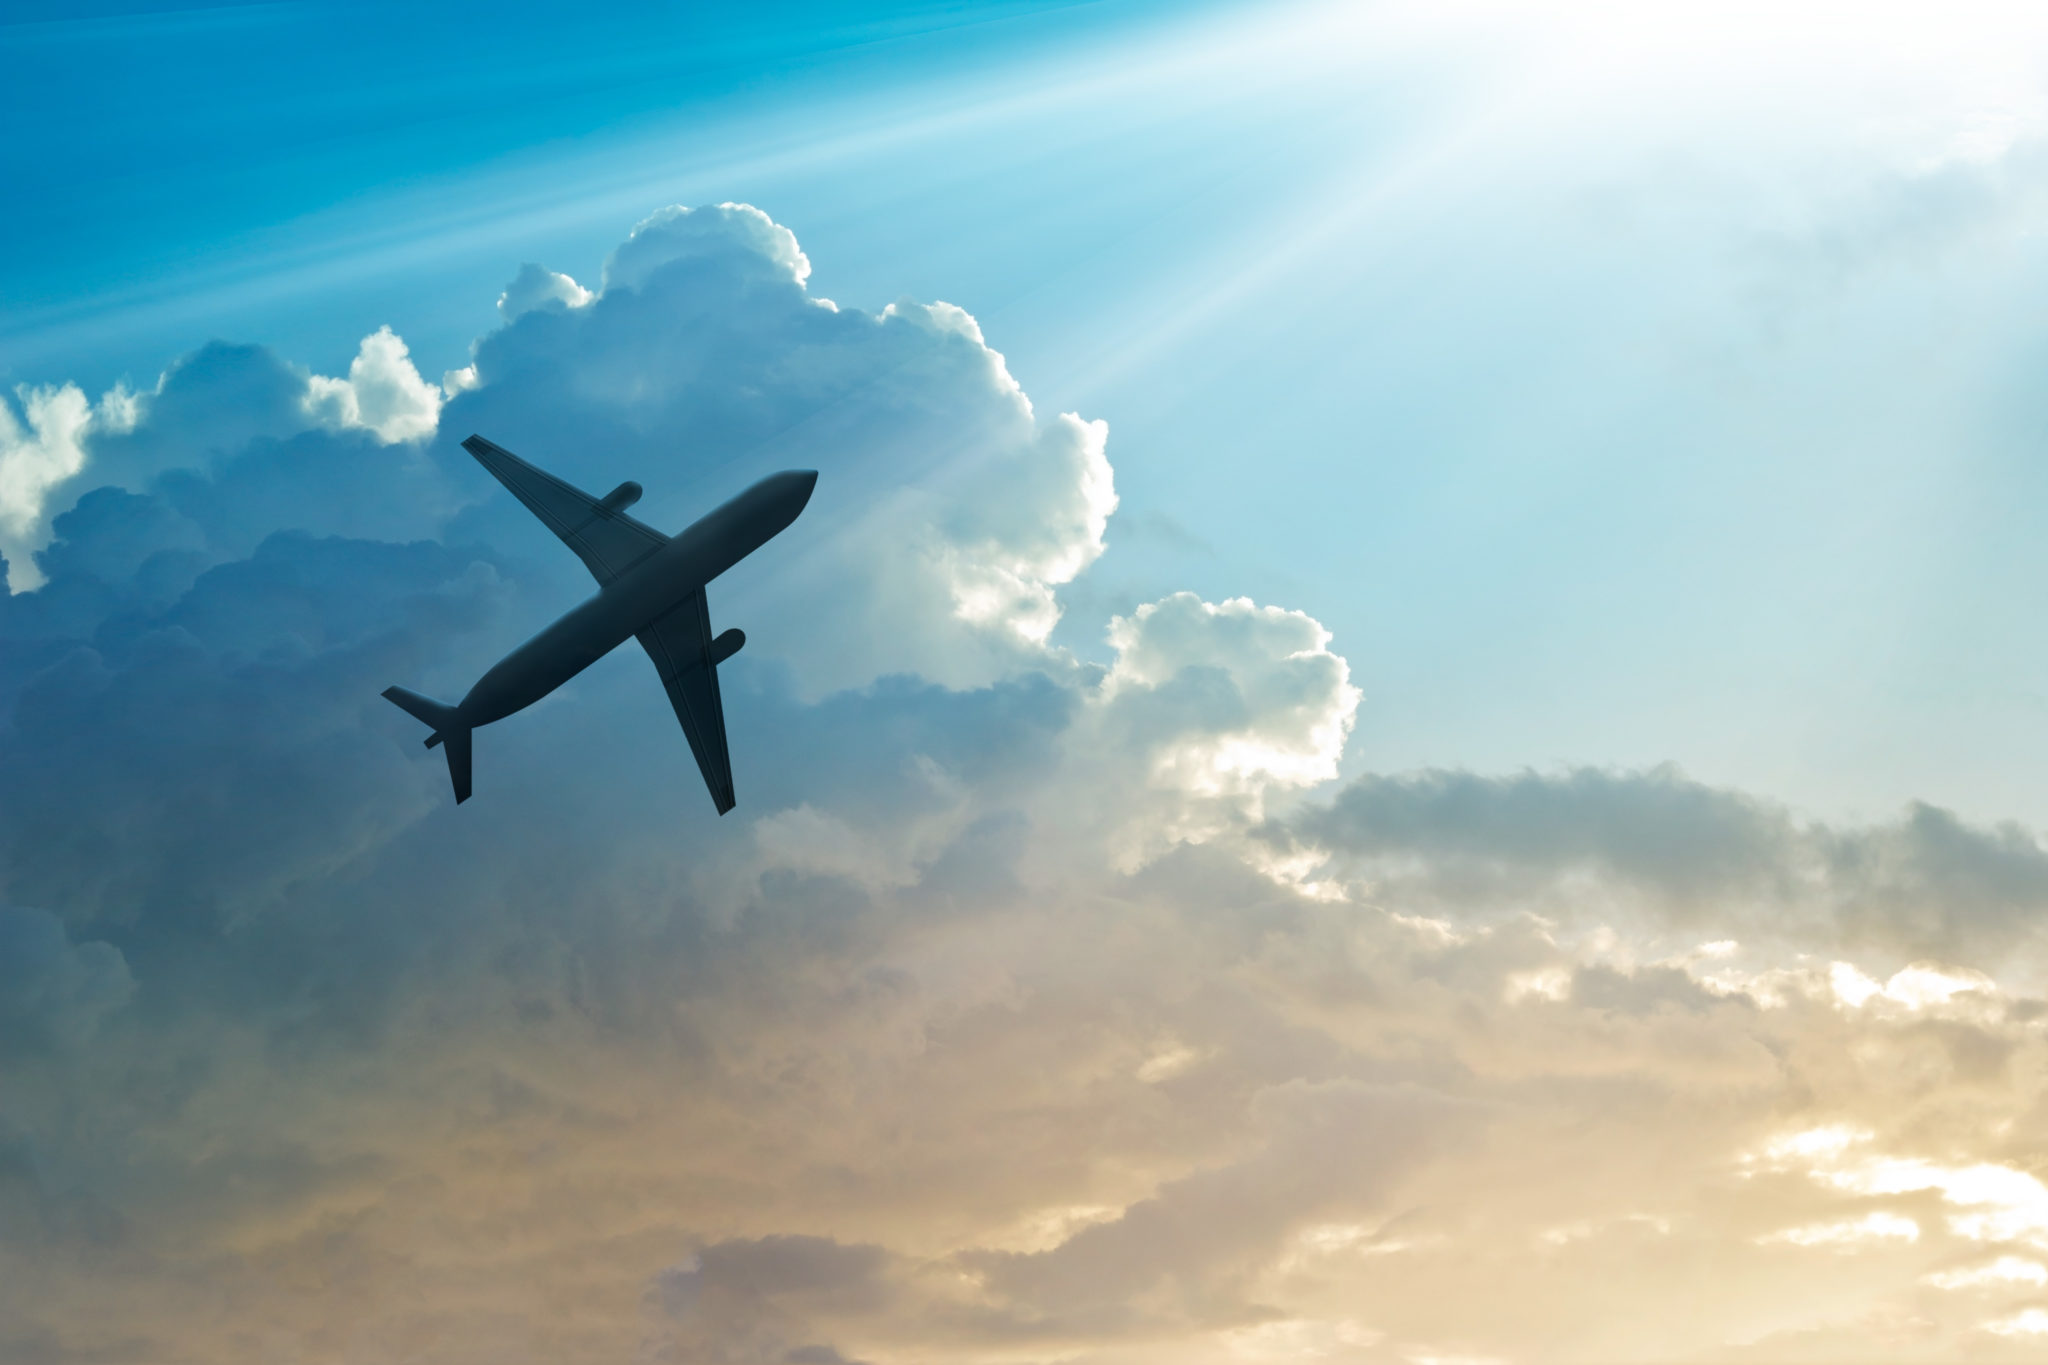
x=650, y=586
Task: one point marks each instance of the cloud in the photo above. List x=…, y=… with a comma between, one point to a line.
x=200, y=757
x=536, y=287
x=1027, y=1007
x=743, y=245
x=39, y=451
x=1205, y=711
x=221, y=403
x=1279, y=708
x=2005, y=1271
x=1324, y=1149
x=948, y=515
x=755, y=1300
x=206, y=407
x=1590, y=841
x=1657, y=829
x=1849, y=1235
x=383, y=393
x=54, y=992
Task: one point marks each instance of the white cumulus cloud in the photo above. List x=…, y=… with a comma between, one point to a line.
x=1290, y=704
x=383, y=393
x=1209, y=709
x=536, y=286
x=40, y=451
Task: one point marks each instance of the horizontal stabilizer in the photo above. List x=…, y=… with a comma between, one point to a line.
x=449, y=731
x=438, y=714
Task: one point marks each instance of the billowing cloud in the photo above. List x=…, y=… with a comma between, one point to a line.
x=537, y=287
x=1290, y=707
x=383, y=393
x=217, y=404
x=1029, y=1006
x=54, y=992
x=949, y=512
x=40, y=450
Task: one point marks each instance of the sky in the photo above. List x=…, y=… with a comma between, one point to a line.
x=1403, y=728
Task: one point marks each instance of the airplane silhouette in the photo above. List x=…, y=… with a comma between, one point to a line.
x=650, y=586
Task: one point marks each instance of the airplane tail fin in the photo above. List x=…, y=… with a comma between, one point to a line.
x=449, y=732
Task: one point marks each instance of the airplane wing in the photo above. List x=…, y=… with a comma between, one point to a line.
x=687, y=658
x=607, y=540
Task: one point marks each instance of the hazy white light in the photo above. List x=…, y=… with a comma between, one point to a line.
x=1815, y=1144
x=1043, y=1229
x=2028, y=1322
x=1932, y=81
x=1849, y=1234
x=1580, y=1231
x=1328, y=1239
x=1922, y=988
x=1293, y=1339
x=2006, y=1270
x=1545, y=983
x=1851, y=986
x=2002, y=1203
x=1170, y=1061
x=1980, y=35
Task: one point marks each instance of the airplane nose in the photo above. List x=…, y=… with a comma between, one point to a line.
x=805, y=479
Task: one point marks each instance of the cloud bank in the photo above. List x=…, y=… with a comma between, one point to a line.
x=1032, y=1006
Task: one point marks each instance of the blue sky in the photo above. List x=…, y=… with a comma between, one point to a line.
x=1416, y=664
x=1696, y=433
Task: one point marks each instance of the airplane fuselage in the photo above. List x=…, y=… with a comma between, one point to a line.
x=637, y=598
